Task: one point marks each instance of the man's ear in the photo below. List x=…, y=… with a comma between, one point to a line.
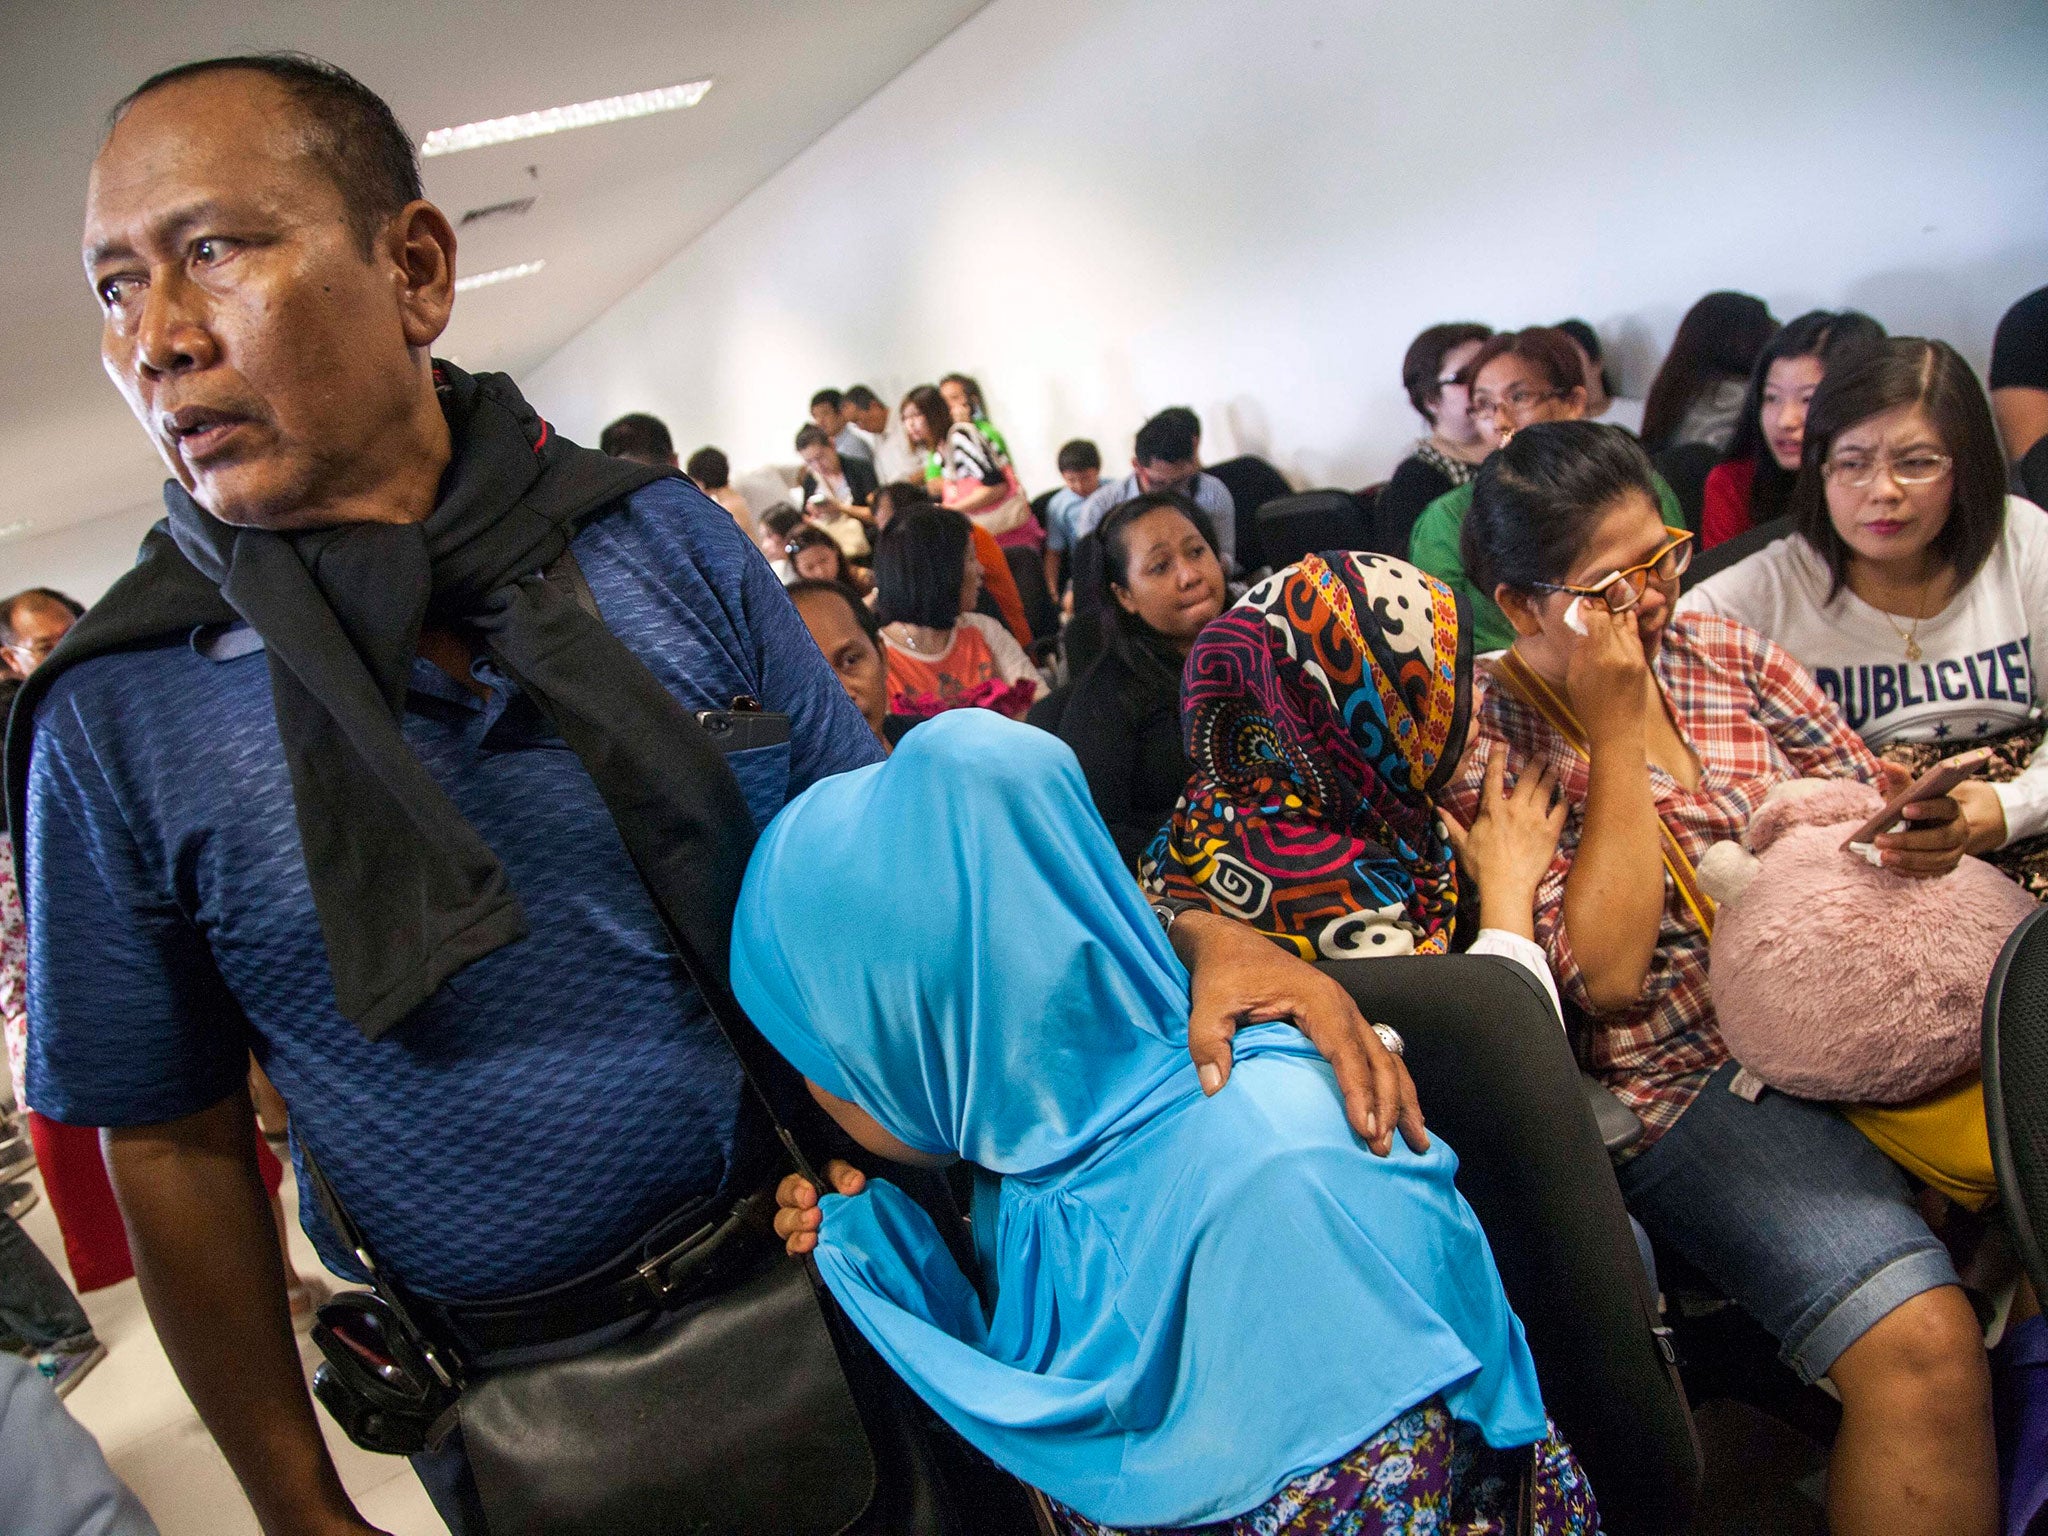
x=1524, y=610
x=420, y=244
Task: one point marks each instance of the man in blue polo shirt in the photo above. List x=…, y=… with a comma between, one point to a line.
x=342, y=775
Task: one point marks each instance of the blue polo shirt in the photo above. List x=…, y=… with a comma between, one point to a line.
x=549, y=1103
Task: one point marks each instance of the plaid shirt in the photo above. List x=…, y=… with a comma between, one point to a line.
x=1755, y=719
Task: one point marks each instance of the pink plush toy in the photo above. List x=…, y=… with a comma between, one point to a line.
x=1837, y=980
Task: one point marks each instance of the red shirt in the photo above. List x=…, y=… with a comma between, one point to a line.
x=1725, y=511
x=1755, y=718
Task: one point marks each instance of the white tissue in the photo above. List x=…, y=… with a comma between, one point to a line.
x=1572, y=619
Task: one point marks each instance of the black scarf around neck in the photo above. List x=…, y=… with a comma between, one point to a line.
x=406, y=891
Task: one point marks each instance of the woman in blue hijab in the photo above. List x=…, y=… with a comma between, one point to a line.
x=1208, y=1309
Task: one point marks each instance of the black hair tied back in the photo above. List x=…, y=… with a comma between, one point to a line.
x=1536, y=501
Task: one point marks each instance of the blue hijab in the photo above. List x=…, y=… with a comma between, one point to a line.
x=1198, y=1299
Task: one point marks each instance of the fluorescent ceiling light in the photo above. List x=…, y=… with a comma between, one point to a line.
x=584, y=114
x=498, y=275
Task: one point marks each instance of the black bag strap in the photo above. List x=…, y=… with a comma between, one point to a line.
x=768, y=1076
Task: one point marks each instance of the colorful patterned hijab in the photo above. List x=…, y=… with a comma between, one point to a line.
x=1322, y=713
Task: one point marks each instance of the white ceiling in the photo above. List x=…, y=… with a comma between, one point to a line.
x=615, y=201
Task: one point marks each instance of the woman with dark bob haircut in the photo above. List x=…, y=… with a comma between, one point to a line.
x=1665, y=731
x=1914, y=584
x=942, y=655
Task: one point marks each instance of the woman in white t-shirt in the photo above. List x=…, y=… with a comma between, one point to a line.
x=1913, y=584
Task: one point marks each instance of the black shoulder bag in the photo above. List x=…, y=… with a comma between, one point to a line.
x=748, y=1407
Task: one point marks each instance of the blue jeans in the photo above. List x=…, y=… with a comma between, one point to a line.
x=1792, y=1212
x=36, y=1306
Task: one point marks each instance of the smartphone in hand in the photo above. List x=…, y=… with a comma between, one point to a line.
x=1931, y=785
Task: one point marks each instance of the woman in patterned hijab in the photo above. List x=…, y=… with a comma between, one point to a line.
x=1321, y=714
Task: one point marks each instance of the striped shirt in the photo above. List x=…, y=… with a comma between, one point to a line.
x=1755, y=718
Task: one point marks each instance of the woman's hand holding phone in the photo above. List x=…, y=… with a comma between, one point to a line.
x=1937, y=835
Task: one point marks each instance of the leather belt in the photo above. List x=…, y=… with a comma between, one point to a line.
x=714, y=1254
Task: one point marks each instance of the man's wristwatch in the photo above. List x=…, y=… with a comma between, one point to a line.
x=1168, y=910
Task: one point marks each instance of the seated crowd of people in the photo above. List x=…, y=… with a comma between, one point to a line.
x=1879, y=619
x=520, y=801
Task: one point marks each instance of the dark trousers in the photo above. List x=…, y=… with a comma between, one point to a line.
x=451, y=1486
x=36, y=1306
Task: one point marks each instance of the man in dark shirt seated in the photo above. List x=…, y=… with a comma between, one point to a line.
x=271, y=279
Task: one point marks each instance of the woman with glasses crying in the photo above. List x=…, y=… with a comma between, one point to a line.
x=1516, y=380
x=1664, y=732
x=1914, y=585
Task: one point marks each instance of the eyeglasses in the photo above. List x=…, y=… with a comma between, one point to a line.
x=1516, y=399
x=1622, y=590
x=30, y=653
x=1917, y=466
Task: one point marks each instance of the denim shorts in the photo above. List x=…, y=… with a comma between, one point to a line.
x=1792, y=1213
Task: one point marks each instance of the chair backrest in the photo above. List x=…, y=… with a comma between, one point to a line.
x=1251, y=481
x=1685, y=467
x=1293, y=526
x=1047, y=713
x=1498, y=1082
x=1040, y=502
x=1732, y=551
x=2016, y=1089
x=2032, y=473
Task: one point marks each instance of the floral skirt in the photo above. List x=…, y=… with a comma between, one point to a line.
x=2024, y=862
x=1426, y=1471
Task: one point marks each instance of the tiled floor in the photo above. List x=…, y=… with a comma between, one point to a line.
x=155, y=1442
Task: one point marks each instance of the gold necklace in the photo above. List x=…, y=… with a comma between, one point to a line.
x=1911, y=636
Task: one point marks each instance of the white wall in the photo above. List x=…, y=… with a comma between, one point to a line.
x=81, y=559
x=1106, y=206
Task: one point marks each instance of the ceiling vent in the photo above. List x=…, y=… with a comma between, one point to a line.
x=512, y=208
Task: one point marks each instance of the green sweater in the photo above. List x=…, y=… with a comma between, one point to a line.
x=1434, y=546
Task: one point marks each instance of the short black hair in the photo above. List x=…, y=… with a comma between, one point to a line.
x=900, y=496
x=1185, y=414
x=863, y=615
x=1424, y=361
x=1907, y=370
x=830, y=397
x=1078, y=455
x=781, y=521
x=919, y=561
x=637, y=436
x=710, y=468
x=351, y=132
x=12, y=606
x=811, y=435
x=1589, y=340
x=860, y=397
x=1167, y=438
x=1535, y=501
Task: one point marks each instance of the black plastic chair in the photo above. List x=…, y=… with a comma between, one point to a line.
x=1041, y=613
x=1251, y=481
x=1685, y=467
x=2016, y=1089
x=1732, y=551
x=1498, y=1082
x=2032, y=473
x=1040, y=502
x=1302, y=524
x=1047, y=713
